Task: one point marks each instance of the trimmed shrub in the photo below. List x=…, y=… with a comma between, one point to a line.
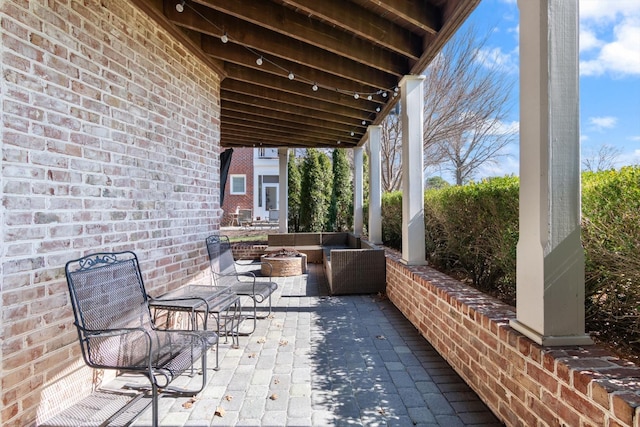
x=611, y=237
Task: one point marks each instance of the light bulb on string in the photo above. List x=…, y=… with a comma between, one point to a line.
x=314, y=87
x=259, y=60
x=377, y=109
x=384, y=94
x=180, y=6
x=364, y=122
x=352, y=133
x=369, y=97
x=356, y=95
x=224, y=38
x=291, y=76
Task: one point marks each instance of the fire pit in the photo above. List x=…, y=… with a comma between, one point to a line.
x=285, y=262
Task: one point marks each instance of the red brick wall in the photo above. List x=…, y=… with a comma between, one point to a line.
x=110, y=141
x=524, y=384
x=241, y=164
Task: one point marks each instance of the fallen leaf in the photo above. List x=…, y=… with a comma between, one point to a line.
x=219, y=412
x=284, y=342
x=252, y=355
x=276, y=381
x=381, y=411
x=273, y=396
x=228, y=398
x=189, y=403
x=381, y=337
x=262, y=340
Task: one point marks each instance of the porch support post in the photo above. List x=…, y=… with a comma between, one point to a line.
x=411, y=114
x=283, y=192
x=550, y=258
x=375, y=185
x=358, y=198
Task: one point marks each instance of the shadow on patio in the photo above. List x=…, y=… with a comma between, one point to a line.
x=320, y=360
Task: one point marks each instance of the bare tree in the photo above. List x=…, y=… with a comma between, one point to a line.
x=605, y=158
x=465, y=106
x=391, y=153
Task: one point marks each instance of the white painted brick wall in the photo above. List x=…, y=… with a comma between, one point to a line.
x=110, y=141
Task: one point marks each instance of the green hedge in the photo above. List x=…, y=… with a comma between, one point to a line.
x=611, y=237
x=472, y=233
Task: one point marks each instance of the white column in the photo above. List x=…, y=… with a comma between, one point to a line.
x=411, y=114
x=283, y=208
x=550, y=259
x=358, y=192
x=375, y=185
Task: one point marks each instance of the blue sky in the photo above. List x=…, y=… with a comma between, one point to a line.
x=609, y=73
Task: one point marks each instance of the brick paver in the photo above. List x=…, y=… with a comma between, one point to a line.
x=328, y=361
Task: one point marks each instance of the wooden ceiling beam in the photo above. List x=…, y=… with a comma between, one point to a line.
x=363, y=23
x=285, y=21
x=268, y=43
x=267, y=104
x=274, y=136
x=240, y=56
x=417, y=13
x=231, y=87
x=241, y=111
x=295, y=87
x=259, y=124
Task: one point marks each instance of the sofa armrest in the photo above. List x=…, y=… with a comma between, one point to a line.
x=358, y=271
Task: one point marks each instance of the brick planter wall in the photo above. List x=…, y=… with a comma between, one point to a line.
x=110, y=141
x=523, y=383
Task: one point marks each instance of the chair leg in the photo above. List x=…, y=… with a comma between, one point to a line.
x=154, y=403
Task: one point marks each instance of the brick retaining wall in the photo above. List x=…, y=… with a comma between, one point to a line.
x=523, y=383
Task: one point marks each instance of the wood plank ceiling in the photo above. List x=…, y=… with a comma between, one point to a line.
x=309, y=73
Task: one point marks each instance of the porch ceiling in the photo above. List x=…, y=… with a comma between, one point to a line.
x=344, y=47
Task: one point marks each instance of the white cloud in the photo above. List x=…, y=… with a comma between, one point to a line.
x=635, y=138
x=610, y=37
x=496, y=58
x=601, y=123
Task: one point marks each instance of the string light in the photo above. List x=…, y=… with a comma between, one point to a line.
x=180, y=6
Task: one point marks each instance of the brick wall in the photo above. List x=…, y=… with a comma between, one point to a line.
x=110, y=141
x=241, y=164
x=524, y=384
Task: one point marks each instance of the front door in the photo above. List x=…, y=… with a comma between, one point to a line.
x=270, y=198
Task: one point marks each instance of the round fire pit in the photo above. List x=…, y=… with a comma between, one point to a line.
x=284, y=263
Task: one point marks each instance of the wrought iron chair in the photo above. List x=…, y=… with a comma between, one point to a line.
x=112, y=316
x=224, y=272
x=245, y=217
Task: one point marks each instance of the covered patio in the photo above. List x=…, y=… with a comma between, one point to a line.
x=115, y=113
x=310, y=363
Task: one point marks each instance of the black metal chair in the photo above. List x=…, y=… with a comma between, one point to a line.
x=115, y=328
x=224, y=272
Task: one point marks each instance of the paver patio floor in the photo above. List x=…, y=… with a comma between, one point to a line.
x=327, y=361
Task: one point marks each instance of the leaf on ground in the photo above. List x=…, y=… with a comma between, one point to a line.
x=228, y=398
x=273, y=396
x=381, y=337
x=189, y=403
x=262, y=340
x=219, y=412
x=252, y=356
x=381, y=411
x=284, y=342
x=276, y=381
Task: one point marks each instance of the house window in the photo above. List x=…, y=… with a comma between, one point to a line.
x=238, y=184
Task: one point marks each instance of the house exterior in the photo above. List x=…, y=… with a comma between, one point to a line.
x=252, y=183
